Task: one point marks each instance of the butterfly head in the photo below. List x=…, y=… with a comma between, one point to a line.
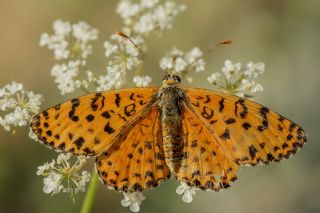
x=171, y=80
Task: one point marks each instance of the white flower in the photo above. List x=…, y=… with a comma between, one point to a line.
x=180, y=64
x=84, y=32
x=52, y=183
x=61, y=28
x=193, y=55
x=149, y=15
x=237, y=81
x=63, y=158
x=46, y=166
x=178, y=61
x=163, y=14
x=254, y=69
x=213, y=79
x=148, y=3
x=18, y=105
x=66, y=74
x=115, y=78
x=32, y=135
x=127, y=9
x=133, y=199
x=186, y=191
x=145, y=24
x=142, y=81
x=110, y=48
x=230, y=69
x=70, y=40
x=62, y=176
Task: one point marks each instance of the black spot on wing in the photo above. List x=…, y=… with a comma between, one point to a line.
x=118, y=99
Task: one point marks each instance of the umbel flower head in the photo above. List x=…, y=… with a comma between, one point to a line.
x=17, y=106
x=62, y=176
x=235, y=79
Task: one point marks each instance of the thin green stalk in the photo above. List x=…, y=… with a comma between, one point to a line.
x=91, y=193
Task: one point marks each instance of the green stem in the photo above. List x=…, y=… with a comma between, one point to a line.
x=91, y=193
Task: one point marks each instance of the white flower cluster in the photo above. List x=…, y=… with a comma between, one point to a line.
x=186, y=191
x=66, y=76
x=70, y=41
x=133, y=199
x=71, y=45
x=123, y=56
x=236, y=80
x=140, y=18
x=17, y=106
x=180, y=62
x=60, y=176
x=145, y=16
x=142, y=81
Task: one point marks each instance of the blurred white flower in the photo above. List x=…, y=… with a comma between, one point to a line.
x=133, y=199
x=114, y=79
x=148, y=3
x=213, y=79
x=148, y=15
x=62, y=176
x=110, y=48
x=61, y=28
x=142, y=81
x=70, y=41
x=254, y=69
x=178, y=61
x=127, y=9
x=231, y=68
x=17, y=106
x=66, y=76
x=236, y=80
x=186, y=191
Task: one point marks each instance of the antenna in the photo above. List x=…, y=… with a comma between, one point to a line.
x=225, y=42
x=122, y=34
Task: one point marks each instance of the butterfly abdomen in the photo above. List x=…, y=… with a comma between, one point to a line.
x=171, y=124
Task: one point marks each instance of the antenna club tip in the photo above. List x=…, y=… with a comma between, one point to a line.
x=122, y=34
x=225, y=42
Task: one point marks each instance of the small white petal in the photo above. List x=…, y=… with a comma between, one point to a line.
x=187, y=197
x=125, y=203
x=180, y=190
x=135, y=207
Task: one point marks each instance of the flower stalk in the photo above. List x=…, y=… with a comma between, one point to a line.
x=91, y=193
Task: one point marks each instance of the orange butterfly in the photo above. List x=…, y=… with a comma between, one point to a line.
x=142, y=136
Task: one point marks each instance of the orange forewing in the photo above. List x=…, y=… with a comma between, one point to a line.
x=89, y=124
x=246, y=131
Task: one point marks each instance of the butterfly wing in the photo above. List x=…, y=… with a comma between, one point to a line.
x=136, y=161
x=248, y=132
x=89, y=124
x=205, y=164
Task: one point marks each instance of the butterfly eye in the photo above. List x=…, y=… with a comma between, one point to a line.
x=166, y=77
x=177, y=78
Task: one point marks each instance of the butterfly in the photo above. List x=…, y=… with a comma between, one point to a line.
x=143, y=136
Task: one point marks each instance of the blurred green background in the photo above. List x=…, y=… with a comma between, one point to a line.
x=284, y=34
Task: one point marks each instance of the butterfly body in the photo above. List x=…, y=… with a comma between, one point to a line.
x=141, y=136
x=171, y=104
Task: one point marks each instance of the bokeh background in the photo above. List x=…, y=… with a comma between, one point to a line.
x=282, y=33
